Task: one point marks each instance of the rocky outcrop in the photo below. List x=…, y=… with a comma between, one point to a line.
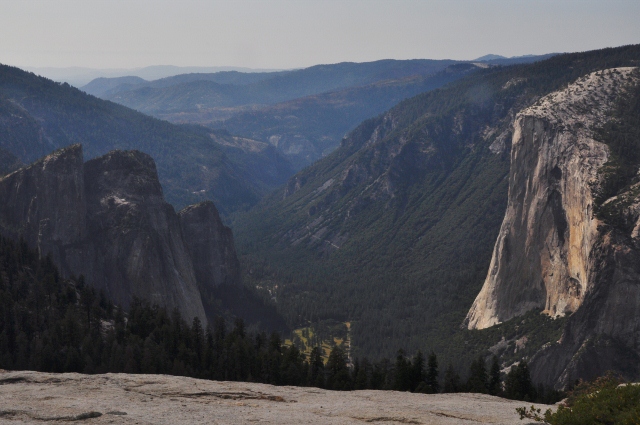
x=210, y=244
x=107, y=219
x=552, y=252
x=604, y=333
x=45, y=204
x=135, y=238
x=541, y=257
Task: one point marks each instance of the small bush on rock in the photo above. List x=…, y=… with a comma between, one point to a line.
x=603, y=401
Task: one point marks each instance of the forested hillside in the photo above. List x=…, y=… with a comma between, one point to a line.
x=38, y=116
x=394, y=230
x=52, y=324
x=63, y=325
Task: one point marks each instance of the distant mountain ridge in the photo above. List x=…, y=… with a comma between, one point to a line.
x=311, y=127
x=38, y=115
x=489, y=57
x=80, y=76
x=279, y=87
x=105, y=87
x=102, y=85
x=503, y=60
x=303, y=113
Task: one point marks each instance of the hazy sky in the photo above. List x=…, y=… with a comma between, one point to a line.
x=298, y=33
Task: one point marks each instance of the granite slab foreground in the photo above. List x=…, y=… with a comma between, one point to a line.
x=34, y=397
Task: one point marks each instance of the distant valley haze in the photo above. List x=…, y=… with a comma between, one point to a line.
x=80, y=76
x=119, y=36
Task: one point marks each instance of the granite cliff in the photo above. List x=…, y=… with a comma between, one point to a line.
x=210, y=245
x=45, y=204
x=554, y=252
x=107, y=219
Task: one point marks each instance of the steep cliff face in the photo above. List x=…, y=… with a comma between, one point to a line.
x=541, y=257
x=604, y=333
x=45, y=204
x=210, y=244
x=137, y=242
x=552, y=252
x=107, y=219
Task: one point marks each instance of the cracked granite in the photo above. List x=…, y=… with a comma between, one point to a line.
x=33, y=397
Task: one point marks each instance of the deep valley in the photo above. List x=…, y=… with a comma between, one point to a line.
x=418, y=226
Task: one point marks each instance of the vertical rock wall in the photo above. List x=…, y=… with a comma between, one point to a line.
x=107, y=219
x=553, y=253
x=44, y=203
x=541, y=257
x=138, y=248
x=210, y=244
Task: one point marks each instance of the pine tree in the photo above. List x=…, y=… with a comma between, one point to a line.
x=477, y=382
x=292, y=366
x=361, y=374
x=451, y=380
x=337, y=371
x=197, y=341
x=432, y=374
x=518, y=385
x=87, y=297
x=418, y=375
x=239, y=328
x=208, y=354
x=316, y=368
x=495, y=382
x=381, y=375
x=402, y=381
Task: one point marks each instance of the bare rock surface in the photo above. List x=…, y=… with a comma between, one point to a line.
x=543, y=255
x=136, y=236
x=107, y=220
x=554, y=252
x=210, y=244
x=33, y=397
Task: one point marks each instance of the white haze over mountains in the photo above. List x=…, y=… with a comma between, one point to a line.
x=79, y=76
x=286, y=34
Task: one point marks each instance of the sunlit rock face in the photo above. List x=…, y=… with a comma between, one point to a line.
x=541, y=257
x=107, y=220
x=552, y=252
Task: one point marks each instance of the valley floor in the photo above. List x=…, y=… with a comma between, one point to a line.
x=33, y=397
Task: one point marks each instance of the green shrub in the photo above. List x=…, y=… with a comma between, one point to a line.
x=603, y=401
